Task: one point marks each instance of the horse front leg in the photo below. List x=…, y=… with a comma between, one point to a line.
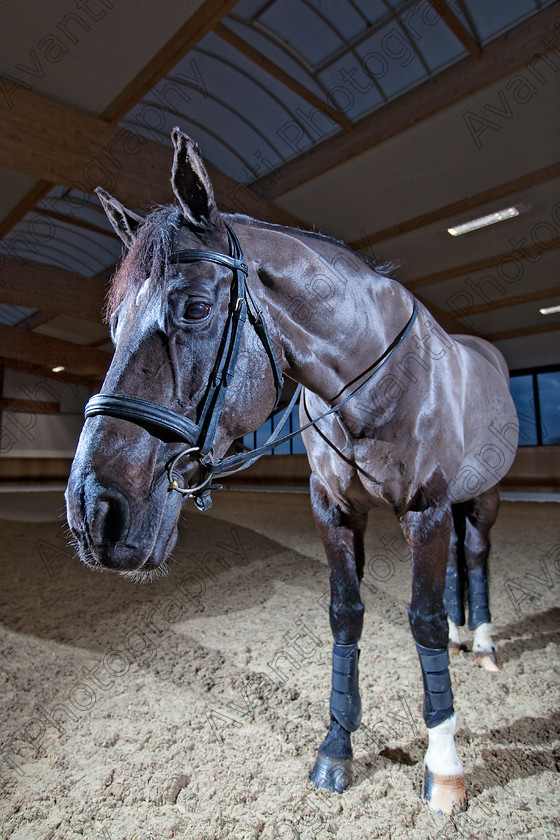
x=342, y=532
x=427, y=531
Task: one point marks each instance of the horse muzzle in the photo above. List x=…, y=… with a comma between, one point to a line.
x=115, y=531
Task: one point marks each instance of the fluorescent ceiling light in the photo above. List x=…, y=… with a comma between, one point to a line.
x=549, y=310
x=484, y=221
x=58, y=369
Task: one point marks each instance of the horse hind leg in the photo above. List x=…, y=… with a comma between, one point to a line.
x=481, y=515
x=342, y=534
x=427, y=531
x=454, y=599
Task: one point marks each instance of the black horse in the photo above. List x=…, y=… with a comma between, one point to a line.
x=400, y=414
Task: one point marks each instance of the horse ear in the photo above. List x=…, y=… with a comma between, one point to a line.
x=191, y=183
x=124, y=221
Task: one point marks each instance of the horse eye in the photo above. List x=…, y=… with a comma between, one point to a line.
x=196, y=311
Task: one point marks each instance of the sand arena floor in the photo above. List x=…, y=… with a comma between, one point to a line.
x=193, y=707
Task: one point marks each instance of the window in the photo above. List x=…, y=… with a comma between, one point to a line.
x=548, y=385
x=290, y=447
x=536, y=394
x=521, y=388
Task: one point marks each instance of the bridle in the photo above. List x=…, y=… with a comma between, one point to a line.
x=168, y=425
x=171, y=427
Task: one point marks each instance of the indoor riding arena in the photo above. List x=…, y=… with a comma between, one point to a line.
x=317, y=288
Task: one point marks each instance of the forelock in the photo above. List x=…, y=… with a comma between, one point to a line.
x=148, y=257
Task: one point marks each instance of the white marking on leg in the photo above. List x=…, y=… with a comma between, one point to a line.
x=454, y=634
x=482, y=641
x=441, y=756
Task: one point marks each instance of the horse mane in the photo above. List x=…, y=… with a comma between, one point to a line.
x=153, y=245
x=384, y=267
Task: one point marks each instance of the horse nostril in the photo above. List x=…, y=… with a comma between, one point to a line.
x=110, y=519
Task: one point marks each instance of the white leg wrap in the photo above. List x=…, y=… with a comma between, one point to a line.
x=484, y=648
x=441, y=756
x=454, y=634
x=482, y=640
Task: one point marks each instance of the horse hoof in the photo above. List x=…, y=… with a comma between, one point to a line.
x=487, y=659
x=444, y=794
x=332, y=773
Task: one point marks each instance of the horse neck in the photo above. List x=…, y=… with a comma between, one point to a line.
x=331, y=313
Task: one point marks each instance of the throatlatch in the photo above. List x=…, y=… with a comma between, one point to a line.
x=346, y=706
x=438, y=699
x=479, y=612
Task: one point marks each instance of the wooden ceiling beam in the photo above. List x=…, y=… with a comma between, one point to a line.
x=37, y=319
x=523, y=331
x=280, y=75
x=52, y=289
x=514, y=300
x=531, y=179
x=32, y=406
x=207, y=16
x=43, y=372
x=532, y=250
x=457, y=27
x=74, y=220
x=198, y=25
x=61, y=145
x=28, y=346
x=510, y=51
x=27, y=203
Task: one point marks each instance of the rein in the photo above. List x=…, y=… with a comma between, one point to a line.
x=171, y=427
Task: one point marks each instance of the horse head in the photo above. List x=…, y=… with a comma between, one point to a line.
x=172, y=318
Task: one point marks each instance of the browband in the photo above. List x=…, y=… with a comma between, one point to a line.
x=209, y=256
